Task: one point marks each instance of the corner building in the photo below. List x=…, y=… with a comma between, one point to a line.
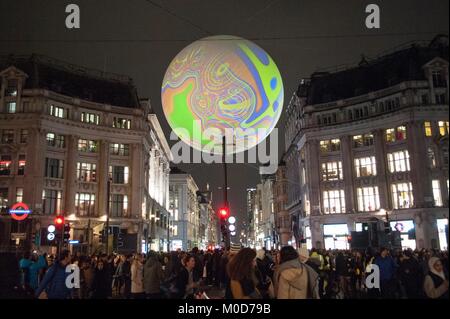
x=372, y=141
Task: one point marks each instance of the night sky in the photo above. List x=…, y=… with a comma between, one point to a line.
x=139, y=38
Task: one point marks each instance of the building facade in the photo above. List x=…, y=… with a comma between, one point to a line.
x=209, y=221
x=372, y=141
x=248, y=225
x=65, y=132
x=282, y=218
x=185, y=211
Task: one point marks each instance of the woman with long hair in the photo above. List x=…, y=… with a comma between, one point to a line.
x=241, y=271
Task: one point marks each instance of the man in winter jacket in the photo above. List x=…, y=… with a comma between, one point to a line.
x=54, y=282
x=388, y=268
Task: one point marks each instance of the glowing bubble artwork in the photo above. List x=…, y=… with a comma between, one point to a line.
x=222, y=82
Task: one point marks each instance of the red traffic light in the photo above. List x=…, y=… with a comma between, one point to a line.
x=59, y=220
x=223, y=212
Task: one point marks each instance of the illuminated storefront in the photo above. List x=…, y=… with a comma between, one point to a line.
x=442, y=225
x=335, y=236
x=308, y=237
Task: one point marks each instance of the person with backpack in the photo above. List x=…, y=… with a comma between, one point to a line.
x=53, y=286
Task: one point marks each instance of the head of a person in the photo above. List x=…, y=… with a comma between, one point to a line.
x=288, y=253
x=195, y=250
x=64, y=258
x=384, y=252
x=408, y=253
x=435, y=264
x=189, y=262
x=303, y=254
x=260, y=254
x=242, y=265
x=100, y=264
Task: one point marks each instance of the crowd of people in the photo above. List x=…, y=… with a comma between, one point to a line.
x=240, y=273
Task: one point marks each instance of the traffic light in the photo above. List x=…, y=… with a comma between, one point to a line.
x=224, y=213
x=59, y=221
x=66, y=234
x=387, y=228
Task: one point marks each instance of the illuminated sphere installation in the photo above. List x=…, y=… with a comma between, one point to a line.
x=222, y=82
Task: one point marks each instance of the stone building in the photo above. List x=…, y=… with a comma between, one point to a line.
x=372, y=141
x=65, y=132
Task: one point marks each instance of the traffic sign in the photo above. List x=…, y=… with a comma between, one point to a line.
x=21, y=236
x=51, y=228
x=232, y=219
x=50, y=236
x=19, y=211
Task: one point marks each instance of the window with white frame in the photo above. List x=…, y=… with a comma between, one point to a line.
x=362, y=140
x=55, y=140
x=443, y=128
x=431, y=157
x=119, y=149
x=119, y=174
x=428, y=129
x=123, y=123
x=365, y=166
x=396, y=134
x=51, y=201
x=398, y=161
x=90, y=118
x=436, y=192
x=86, y=172
x=57, y=111
x=88, y=146
x=11, y=107
x=85, y=204
x=368, y=199
x=332, y=171
x=119, y=205
x=332, y=145
x=402, y=195
x=334, y=201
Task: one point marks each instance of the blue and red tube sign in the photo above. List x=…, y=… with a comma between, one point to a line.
x=19, y=211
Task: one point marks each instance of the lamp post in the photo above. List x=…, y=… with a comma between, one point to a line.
x=108, y=195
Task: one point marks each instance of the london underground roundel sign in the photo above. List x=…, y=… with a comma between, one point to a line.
x=19, y=211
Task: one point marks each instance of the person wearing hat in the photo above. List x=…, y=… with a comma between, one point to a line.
x=436, y=281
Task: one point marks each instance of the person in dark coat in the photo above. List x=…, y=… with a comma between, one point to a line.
x=153, y=276
x=187, y=281
x=100, y=285
x=126, y=277
x=410, y=275
x=198, y=262
x=388, y=269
